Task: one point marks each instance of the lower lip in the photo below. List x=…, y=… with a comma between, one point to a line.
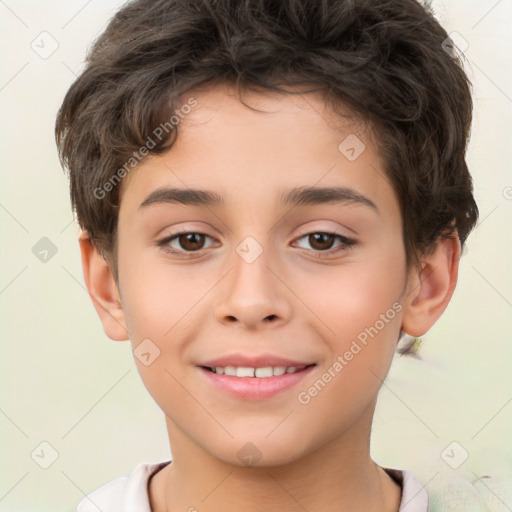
x=254, y=388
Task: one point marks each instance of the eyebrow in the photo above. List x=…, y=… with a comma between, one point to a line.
x=324, y=195
x=299, y=196
x=186, y=196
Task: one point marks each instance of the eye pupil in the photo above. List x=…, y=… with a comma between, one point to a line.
x=315, y=239
x=193, y=238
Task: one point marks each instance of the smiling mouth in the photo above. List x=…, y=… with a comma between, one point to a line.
x=256, y=373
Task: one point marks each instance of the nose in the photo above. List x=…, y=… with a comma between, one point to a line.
x=254, y=295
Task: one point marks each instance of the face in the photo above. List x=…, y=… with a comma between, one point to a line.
x=255, y=279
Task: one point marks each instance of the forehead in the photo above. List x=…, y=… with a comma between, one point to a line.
x=260, y=144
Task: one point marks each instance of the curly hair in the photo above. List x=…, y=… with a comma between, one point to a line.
x=383, y=59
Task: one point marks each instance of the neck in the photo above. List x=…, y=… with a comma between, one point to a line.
x=340, y=476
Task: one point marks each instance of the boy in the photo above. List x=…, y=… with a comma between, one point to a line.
x=271, y=194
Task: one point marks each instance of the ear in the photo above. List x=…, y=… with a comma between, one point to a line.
x=102, y=289
x=431, y=287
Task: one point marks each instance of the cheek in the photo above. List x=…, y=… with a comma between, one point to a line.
x=161, y=305
x=350, y=299
x=361, y=306
x=365, y=318
x=158, y=296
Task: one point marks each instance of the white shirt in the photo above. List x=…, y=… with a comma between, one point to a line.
x=130, y=493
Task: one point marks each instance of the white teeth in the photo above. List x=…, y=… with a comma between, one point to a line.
x=230, y=370
x=246, y=371
x=264, y=372
x=242, y=371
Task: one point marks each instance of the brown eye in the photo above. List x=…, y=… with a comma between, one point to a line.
x=321, y=241
x=191, y=241
x=183, y=243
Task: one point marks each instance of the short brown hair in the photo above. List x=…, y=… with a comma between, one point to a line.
x=384, y=59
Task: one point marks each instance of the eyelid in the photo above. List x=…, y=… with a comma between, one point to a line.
x=302, y=233
x=335, y=231
x=329, y=231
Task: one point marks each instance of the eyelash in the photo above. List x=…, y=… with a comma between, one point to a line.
x=346, y=243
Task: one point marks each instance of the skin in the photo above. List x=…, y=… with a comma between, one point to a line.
x=314, y=456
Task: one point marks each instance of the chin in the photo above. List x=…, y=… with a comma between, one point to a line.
x=261, y=453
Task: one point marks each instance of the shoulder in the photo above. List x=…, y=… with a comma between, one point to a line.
x=451, y=493
x=124, y=494
x=456, y=493
x=414, y=496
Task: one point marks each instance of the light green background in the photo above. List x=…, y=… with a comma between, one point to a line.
x=64, y=382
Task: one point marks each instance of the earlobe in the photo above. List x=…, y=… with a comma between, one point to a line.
x=102, y=289
x=431, y=287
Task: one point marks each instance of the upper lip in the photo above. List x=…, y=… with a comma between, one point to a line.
x=254, y=361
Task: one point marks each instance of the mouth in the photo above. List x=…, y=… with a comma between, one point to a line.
x=255, y=383
x=255, y=372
